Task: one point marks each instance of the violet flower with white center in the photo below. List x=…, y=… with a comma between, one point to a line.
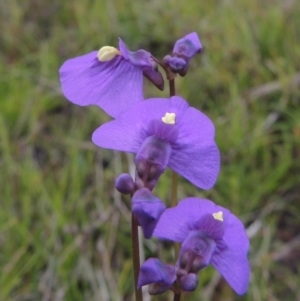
x=147, y=208
x=209, y=234
x=110, y=78
x=184, y=49
x=166, y=132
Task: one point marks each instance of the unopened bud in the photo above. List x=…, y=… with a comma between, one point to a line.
x=187, y=46
x=147, y=208
x=159, y=275
x=189, y=282
x=124, y=183
x=177, y=64
x=184, y=49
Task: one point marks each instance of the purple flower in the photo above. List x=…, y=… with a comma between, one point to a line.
x=166, y=132
x=160, y=276
x=184, y=49
x=209, y=234
x=187, y=46
x=110, y=78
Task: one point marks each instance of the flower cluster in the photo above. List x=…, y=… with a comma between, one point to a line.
x=210, y=234
x=162, y=132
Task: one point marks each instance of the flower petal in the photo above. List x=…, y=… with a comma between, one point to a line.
x=176, y=223
x=189, y=282
x=188, y=46
x=234, y=267
x=230, y=257
x=235, y=235
x=154, y=271
x=211, y=226
x=114, y=85
x=129, y=130
x=196, y=155
x=155, y=77
x=143, y=59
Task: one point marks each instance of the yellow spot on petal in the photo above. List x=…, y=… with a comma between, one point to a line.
x=169, y=118
x=107, y=53
x=218, y=216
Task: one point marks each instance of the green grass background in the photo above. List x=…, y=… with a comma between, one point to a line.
x=64, y=231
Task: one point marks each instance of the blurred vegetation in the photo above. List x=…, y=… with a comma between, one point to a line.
x=64, y=231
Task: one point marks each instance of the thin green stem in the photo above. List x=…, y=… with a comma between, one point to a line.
x=135, y=256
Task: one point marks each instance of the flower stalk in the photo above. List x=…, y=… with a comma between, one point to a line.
x=135, y=256
x=162, y=133
x=174, y=187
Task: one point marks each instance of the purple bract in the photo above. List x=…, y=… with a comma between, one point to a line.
x=112, y=80
x=186, y=138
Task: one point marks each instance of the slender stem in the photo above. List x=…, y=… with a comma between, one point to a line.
x=135, y=256
x=172, y=87
x=174, y=203
x=174, y=187
x=174, y=174
x=177, y=297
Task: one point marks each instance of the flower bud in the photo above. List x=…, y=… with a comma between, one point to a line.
x=124, y=183
x=147, y=208
x=177, y=64
x=189, y=282
x=187, y=46
x=184, y=49
x=160, y=276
